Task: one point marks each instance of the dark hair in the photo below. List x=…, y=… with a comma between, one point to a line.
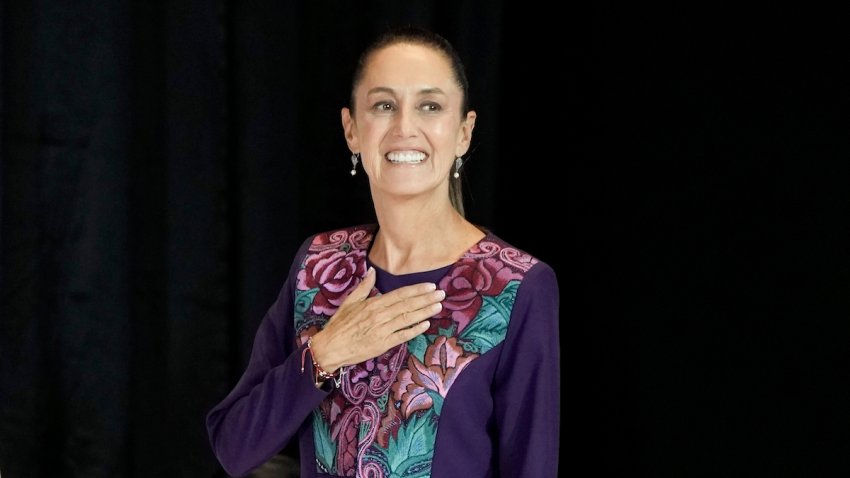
x=419, y=36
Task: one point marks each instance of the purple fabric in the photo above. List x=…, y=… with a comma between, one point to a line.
x=500, y=419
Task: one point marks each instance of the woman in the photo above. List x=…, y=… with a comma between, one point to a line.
x=420, y=346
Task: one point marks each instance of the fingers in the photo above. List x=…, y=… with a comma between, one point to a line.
x=387, y=306
x=361, y=292
x=410, y=323
x=403, y=335
x=408, y=292
x=364, y=327
x=415, y=309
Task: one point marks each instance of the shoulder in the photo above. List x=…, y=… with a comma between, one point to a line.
x=346, y=239
x=493, y=246
x=535, y=308
x=335, y=248
x=535, y=274
x=350, y=239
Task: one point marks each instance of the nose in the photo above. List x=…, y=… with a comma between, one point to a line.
x=405, y=124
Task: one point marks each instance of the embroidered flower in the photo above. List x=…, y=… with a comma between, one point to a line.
x=388, y=406
x=467, y=282
x=444, y=360
x=517, y=258
x=335, y=273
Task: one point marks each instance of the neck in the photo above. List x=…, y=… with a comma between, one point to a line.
x=418, y=235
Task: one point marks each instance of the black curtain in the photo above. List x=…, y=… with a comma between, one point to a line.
x=683, y=170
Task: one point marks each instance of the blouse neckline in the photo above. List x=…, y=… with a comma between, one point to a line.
x=412, y=275
x=387, y=281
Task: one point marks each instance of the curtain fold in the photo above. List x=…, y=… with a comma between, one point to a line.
x=161, y=163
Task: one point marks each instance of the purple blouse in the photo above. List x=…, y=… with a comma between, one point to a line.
x=476, y=395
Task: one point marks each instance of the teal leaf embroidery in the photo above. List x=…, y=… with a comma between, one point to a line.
x=363, y=431
x=449, y=332
x=417, y=346
x=303, y=301
x=489, y=327
x=382, y=401
x=410, y=453
x=325, y=448
x=437, y=400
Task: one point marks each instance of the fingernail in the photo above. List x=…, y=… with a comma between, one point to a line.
x=442, y=294
x=432, y=286
x=370, y=271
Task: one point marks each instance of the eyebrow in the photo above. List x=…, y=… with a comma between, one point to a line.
x=422, y=92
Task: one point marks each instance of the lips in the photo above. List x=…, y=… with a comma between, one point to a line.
x=406, y=157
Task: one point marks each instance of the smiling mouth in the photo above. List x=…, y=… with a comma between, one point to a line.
x=406, y=157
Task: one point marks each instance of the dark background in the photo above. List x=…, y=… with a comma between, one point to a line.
x=683, y=169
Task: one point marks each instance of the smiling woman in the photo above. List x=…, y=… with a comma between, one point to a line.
x=409, y=124
x=422, y=345
x=410, y=106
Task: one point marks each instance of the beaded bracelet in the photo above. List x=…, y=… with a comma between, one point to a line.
x=321, y=375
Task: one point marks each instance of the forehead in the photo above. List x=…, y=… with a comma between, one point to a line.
x=404, y=65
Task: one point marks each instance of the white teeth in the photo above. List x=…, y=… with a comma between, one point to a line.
x=406, y=157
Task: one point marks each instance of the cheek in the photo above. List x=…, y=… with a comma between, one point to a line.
x=445, y=132
x=371, y=131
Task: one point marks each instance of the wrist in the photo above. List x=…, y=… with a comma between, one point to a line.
x=319, y=354
x=320, y=374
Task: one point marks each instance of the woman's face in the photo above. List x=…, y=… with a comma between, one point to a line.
x=408, y=125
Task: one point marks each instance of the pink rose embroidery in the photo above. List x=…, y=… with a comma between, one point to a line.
x=335, y=273
x=467, y=282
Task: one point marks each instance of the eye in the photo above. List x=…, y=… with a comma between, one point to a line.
x=431, y=107
x=383, y=106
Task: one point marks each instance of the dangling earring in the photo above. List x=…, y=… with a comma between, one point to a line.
x=354, y=159
x=458, y=164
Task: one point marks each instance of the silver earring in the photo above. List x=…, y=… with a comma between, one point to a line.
x=458, y=164
x=354, y=159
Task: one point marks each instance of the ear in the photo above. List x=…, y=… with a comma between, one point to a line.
x=350, y=129
x=465, y=134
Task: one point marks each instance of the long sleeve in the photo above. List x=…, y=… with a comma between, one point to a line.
x=527, y=381
x=272, y=399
